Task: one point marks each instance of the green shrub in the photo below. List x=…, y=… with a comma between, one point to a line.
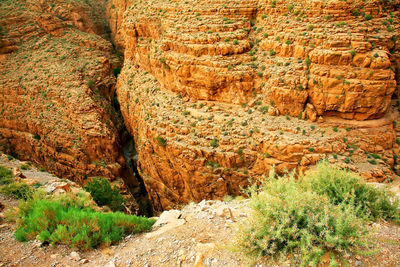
x=24, y=167
x=104, y=195
x=5, y=176
x=325, y=210
x=368, y=17
x=116, y=71
x=308, y=61
x=214, y=143
x=90, y=83
x=272, y=52
x=161, y=141
x=17, y=190
x=67, y=222
x=342, y=186
x=288, y=219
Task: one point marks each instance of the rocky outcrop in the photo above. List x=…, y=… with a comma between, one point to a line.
x=203, y=82
x=56, y=83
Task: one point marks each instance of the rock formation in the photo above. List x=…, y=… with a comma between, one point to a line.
x=213, y=92
x=203, y=81
x=56, y=83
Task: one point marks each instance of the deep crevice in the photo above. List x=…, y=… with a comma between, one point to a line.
x=130, y=174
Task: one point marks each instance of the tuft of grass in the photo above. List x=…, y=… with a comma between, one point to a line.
x=214, y=143
x=24, y=167
x=90, y=84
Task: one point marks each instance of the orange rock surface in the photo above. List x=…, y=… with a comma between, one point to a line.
x=56, y=77
x=213, y=92
x=203, y=82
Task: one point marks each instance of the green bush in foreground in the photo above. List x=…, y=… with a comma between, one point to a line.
x=68, y=221
x=5, y=176
x=104, y=195
x=311, y=216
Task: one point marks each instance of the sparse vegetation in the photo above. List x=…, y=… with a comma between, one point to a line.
x=11, y=188
x=368, y=17
x=90, y=84
x=272, y=52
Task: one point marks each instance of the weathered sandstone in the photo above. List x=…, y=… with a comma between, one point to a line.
x=55, y=83
x=203, y=82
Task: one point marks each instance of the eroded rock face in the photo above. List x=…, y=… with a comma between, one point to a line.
x=332, y=54
x=203, y=82
x=56, y=76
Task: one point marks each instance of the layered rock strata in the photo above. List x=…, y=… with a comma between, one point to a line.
x=56, y=83
x=203, y=83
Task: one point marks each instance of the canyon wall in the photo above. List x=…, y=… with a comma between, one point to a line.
x=213, y=92
x=204, y=83
x=56, y=86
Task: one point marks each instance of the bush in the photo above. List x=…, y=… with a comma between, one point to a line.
x=287, y=219
x=90, y=83
x=161, y=141
x=342, y=186
x=326, y=210
x=5, y=176
x=24, y=167
x=104, y=195
x=17, y=190
x=67, y=222
x=116, y=72
x=214, y=143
